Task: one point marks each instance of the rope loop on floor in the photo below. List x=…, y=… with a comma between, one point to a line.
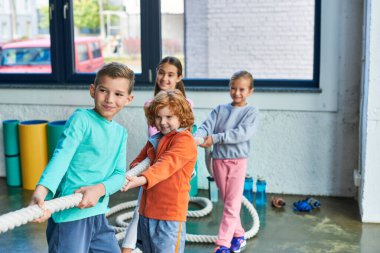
x=207, y=205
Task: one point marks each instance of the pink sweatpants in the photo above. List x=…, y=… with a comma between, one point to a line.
x=229, y=176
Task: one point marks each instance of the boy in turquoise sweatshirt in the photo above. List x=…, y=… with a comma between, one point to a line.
x=90, y=158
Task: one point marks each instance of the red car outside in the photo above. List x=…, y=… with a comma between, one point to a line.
x=33, y=56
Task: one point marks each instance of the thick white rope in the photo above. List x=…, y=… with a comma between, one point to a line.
x=27, y=214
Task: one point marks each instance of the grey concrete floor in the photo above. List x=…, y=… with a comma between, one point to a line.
x=335, y=227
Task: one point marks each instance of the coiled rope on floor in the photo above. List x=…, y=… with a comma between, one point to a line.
x=200, y=238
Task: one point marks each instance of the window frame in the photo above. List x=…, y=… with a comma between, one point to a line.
x=62, y=38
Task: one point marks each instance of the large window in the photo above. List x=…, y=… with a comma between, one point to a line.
x=67, y=41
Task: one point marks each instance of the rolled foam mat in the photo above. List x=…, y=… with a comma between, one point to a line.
x=54, y=131
x=33, y=151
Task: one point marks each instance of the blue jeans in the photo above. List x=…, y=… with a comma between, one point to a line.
x=92, y=234
x=159, y=236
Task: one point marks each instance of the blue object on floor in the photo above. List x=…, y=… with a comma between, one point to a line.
x=302, y=206
x=306, y=205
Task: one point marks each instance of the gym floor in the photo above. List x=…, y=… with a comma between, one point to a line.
x=335, y=227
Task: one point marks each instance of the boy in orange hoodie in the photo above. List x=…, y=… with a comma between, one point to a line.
x=166, y=183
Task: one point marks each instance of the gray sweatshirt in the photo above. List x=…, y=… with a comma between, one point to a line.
x=231, y=129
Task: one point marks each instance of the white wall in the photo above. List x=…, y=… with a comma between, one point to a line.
x=272, y=39
x=370, y=117
x=307, y=143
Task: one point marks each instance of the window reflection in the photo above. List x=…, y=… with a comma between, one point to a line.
x=116, y=27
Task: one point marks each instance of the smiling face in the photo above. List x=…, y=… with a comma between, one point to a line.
x=110, y=96
x=240, y=89
x=167, y=76
x=166, y=121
